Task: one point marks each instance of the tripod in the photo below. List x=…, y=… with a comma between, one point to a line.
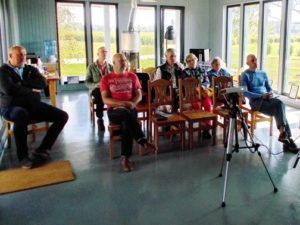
x=297, y=160
x=232, y=135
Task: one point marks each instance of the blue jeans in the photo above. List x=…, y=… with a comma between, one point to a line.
x=273, y=107
x=41, y=111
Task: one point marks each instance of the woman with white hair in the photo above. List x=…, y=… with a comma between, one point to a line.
x=217, y=69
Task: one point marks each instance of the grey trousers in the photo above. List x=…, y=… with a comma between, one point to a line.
x=273, y=107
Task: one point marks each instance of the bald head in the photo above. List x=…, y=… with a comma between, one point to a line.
x=17, y=56
x=119, y=63
x=252, y=62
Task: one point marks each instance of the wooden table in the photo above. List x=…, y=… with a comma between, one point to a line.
x=51, y=80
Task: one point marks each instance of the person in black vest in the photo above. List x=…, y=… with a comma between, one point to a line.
x=20, y=102
x=171, y=70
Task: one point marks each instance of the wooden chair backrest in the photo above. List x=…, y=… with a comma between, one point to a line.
x=189, y=92
x=161, y=93
x=219, y=83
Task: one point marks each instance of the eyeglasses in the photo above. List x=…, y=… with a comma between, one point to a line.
x=190, y=60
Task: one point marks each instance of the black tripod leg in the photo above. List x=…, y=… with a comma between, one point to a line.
x=275, y=188
x=297, y=160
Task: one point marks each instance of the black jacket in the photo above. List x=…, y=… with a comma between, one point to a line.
x=17, y=92
x=167, y=76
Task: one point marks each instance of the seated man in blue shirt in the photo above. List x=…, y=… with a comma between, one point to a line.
x=261, y=99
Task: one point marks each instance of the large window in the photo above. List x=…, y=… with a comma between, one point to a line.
x=293, y=46
x=1, y=51
x=251, y=24
x=146, y=27
x=271, y=40
x=104, y=28
x=71, y=39
x=233, y=37
x=172, y=17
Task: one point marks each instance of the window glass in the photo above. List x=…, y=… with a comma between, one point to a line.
x=271, y=40
x=104, y=28
x=233, y=37
x=172, y=20
x=71, y=39
x=146, y=27
x=251, y=30
x=293, y=47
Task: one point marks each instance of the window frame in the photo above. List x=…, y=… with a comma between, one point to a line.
x=162, y=28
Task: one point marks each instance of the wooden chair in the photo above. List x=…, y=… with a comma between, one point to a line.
x=142, y=107
x=92, y=107
x=219, y=101
x=162, y=94
x=189, y=92
x=255, y=116
x=33, y=127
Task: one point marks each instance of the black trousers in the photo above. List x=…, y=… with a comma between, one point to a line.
x=96, y=93
x=130, y=128
x=39, y=112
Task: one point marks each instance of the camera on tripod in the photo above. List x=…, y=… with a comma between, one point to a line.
x=232, y=94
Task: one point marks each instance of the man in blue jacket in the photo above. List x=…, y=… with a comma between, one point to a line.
x=20, y=102
x=261, y=99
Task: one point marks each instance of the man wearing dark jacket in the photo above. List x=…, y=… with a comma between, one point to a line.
x=171, y=70
x=20, y=102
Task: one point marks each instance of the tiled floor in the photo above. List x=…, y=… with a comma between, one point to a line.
x=171, y=188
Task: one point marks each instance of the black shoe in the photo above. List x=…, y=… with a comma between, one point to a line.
x=290, y=148
x=26, y=163
x=292, y=144
x=41, y=154
x=283, y=138
x=206, y=134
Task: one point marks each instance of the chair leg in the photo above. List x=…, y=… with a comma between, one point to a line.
x=191, y=135
x=252, y=124
x=271, y=126
x=33, y=131
x=182, y=130
x=156, y=137
x=111, y=149
x=214, y=131
x=150, y=132
x=8, y=133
